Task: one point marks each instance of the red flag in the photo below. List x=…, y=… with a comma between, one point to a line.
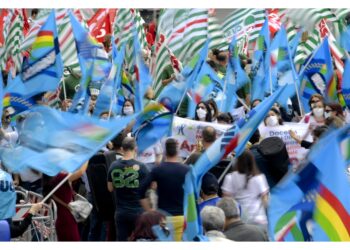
x=3, y=15
x=26, y=25
x=100, y=24
x=274, y=21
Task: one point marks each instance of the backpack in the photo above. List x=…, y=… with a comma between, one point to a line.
x=97, y=175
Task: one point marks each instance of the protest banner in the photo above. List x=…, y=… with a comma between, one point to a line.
x=188, y=132
x=295, y=151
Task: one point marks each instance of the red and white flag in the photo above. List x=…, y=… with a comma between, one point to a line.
x=274, y=21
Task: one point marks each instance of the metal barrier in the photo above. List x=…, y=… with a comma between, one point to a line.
x=43, y=223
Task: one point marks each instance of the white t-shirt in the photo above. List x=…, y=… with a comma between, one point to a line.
x=250, y=197
x=310, y=119
x=149, y=155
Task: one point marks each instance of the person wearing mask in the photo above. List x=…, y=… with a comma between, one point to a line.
x=203, y=112
x=128, y=108
x=249, y=188
x=316, y=116
x=126, y=177
x=272, y=120
x=334, y=109
x=235, y=228
x=169, y=177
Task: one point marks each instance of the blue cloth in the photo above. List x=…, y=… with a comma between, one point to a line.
x=7, y=196
x=210, y=202
x=4, y=231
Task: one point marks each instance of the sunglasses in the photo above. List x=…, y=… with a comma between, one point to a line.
x=7, y=117
x=328, y=110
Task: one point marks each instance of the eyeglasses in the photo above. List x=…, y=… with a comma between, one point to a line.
x=328, y=110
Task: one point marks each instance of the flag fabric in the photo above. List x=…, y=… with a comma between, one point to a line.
x=151, y=125
x=1, y=96
x=184, y=32
x=345, y=39
x=203, y=85
x=234, y=139
x=90, y=51
x=309, y=18
x=143, y=77
x=345, y=87
x=235, y=78
x=244, y=22
x=12, y=33
x=106, y=100
x=261, y=62
x=274, y=21
x=100, y=24
x=318, y=73
x=317, y=195
x=43, y=69
x=52, y=141
x=8, y=196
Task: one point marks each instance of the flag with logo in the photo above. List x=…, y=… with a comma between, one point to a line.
x=318, y=73
x=52, y=141
x=233, y=140
x=43, y=68
x=315, y=195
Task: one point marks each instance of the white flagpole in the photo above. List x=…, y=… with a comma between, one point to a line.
x=56, y=188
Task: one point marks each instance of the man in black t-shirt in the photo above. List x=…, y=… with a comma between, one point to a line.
x=126, y=176
x=170, y=177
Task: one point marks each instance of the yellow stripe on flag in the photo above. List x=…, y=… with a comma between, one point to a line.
x=326, y=209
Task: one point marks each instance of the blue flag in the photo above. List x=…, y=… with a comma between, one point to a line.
x=261, y=64
x=318, y=73
x=202, y=87
x=235, y=78
x=43, y=69
x=345, y=87
x=143, y=77
x=234, y=139
x=151, y=125
x=7, y=196
x=52, y=141
x=106, y=100
x=316, y=195
x=345, y=39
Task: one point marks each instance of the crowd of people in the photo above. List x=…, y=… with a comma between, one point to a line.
x=132, y=192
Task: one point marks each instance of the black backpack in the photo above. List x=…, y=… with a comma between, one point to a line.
x=97, y=171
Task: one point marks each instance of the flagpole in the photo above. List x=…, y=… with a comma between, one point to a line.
x=270, y=73
x=182, y=98
x=64, y=88
x=233, y=161
x=57, y=187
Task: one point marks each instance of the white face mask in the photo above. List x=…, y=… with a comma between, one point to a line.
x=327, y=114
x=318, y=112
x=128, y=110
x=212, y=113
x=201, y=114
x=272, y=121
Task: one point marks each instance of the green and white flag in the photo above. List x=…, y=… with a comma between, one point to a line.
x=243, y=22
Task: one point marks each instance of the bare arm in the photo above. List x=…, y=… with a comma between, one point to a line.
x=110, y=186
x=76, y=175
